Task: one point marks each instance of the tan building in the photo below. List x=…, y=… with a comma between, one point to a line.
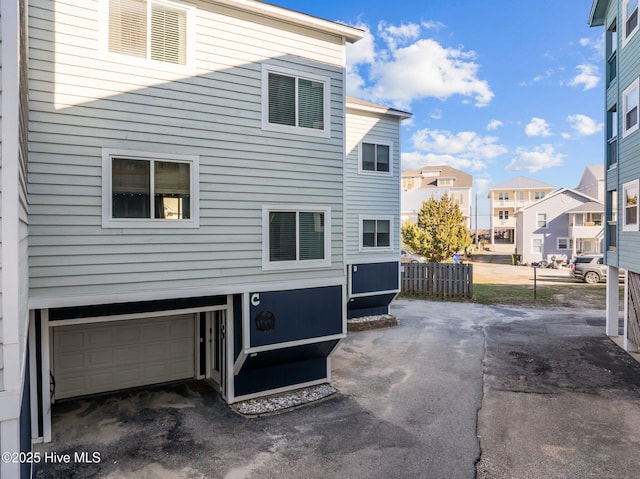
x=434, y=182
x=507, y=198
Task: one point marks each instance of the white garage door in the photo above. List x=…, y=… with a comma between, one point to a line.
x=99, y=357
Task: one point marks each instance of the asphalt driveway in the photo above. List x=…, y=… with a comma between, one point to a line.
x=457, y=390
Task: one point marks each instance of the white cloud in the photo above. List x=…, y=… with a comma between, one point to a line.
x=583, y=125
x=494, y=125
x=541, y=157
x=466, y=144
x=408, y=67
x=588, y=77
x=436, y=114
x=414, y=160
x=537, y=127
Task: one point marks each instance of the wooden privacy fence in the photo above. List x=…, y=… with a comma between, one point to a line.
x=443, y=280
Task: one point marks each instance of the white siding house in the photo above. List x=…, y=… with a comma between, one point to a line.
x=186, y=206
x=372, y=197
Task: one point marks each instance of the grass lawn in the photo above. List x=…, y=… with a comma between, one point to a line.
x=565, y=295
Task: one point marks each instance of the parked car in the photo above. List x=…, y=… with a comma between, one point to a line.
x=590, y=268
x=406, y=257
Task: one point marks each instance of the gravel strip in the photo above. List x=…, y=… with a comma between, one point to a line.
x=271, y=404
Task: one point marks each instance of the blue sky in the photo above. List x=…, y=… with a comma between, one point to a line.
x=497, y=89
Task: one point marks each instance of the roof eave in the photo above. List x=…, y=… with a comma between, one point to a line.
x=350, y=34
x=598, y=12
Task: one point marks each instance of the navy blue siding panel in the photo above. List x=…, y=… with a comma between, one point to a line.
x=237, y=325
x=25, y=422
x=283, y=367
x=369, y=305
x=283, y=316
x=371, y=277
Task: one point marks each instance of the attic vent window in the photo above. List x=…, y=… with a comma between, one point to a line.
x=148, y=29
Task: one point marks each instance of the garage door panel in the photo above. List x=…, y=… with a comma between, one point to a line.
x=94, y=358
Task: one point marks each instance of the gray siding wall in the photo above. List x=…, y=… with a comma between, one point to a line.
x=367, y=194
x=629, y=147
x=1, y=222
x=87, y=101
x=557, y=226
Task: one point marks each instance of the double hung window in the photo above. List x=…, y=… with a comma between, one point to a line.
x=295, y=238
x=151, y=29
x=376, y=233
x=630, y=12
x=375, y=158
x=536, y=245
x=630, y=205
x=630, y=103
x=541, y=220
x=295, y=102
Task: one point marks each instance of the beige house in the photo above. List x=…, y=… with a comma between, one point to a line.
x=507, y=198
x=430, y=182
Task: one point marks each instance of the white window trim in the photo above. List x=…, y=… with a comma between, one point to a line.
x=296, y=264
x=297, y=130
x=533, y=251
x=632, y=227
x=567, y=239
x=546, y=221
x=373, y=141
x=626, y=38
x=109, y=222
x=363, y=248
x=626, y=132
x=103, y=41
x=503, y=215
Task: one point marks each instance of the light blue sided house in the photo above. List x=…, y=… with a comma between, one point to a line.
x=183, y=199
x=372, y=192
x=622, y=159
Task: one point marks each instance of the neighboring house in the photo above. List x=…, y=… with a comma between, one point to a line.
x=433, y=182
x=186, y=200
x=505, y=199
x=555, y=228
x=372, y=191
x=592, y=182
x=622, y=177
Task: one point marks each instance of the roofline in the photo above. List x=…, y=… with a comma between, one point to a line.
x=557, y=192
x=350, y=34
x=385, y=110
x=596, y=15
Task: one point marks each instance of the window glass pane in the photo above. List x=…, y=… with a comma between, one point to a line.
x=282, y=99
x=369, y=233
x=383, y=236
x=310, y=104
x=172, y=190
x=383, y=157
x=128, y=27
x=632, y=16
x=130, y=188
x=282, y=236
x=368, y=156
x=168, y=35
x=311, y=235
x=631, y=108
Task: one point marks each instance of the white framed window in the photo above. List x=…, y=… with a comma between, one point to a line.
x=503, y=214
x=503, y=196
x=611, y=46
x=565, y=243
x=376, y=233
x=149, y=190
x=630, y=206
x=375, y=158
x=612, y=137
x=536, y=245
x=538, y=195
x=630, y=101
x=630, y=13
x=457, y=198
x=295, y=102
x=444, y=182
x=158, y=30
x=296, y=237
x=541, y=220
